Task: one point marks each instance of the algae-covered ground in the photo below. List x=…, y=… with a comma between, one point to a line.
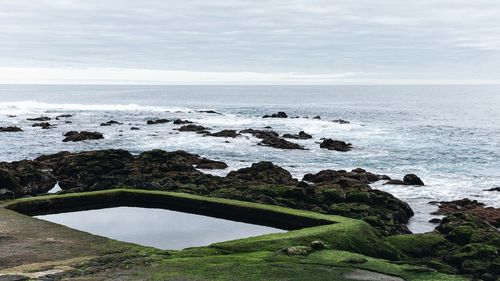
x=318, y=246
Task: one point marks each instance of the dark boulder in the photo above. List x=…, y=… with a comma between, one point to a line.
x=263, y=172
x=74, y=136
x=224, y=134
x=301, y=136
x=280, y=114
x=280, y=143
x=40, y=119
x=10, y=129
x=43, y=125
x=261, y=134
x=340, y=121
x=209, y=112
x=111, y=122
x=205, y=163
x=395, y=182
x=135, y=128
x=64, y=116
x=412, y=179
x=181, y=122
x=157, y=121
x=336, y=145
x=493, y=189
x=193, y=128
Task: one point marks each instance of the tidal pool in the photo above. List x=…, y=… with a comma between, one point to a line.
x=159, y=228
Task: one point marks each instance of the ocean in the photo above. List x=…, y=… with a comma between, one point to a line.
x=447, y=135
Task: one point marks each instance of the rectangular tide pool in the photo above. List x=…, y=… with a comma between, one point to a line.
x=159, y=228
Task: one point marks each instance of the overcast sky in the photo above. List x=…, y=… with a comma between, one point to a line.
x=235, y=41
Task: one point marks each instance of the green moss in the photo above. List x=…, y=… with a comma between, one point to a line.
x=419, y=245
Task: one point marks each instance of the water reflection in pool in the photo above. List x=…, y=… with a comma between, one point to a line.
x=163, y=229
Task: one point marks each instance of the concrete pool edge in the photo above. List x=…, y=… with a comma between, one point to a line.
x=258, y=253
x=341, y=232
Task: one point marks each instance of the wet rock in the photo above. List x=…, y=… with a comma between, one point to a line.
x=10, y=129
x=263, y=172
x=435, y=220
x=75, y=136
x=40, y=119
x=336, y=145
x=280, y=143
x=412, y=179
x=317, y=117
x=280, y=114
x=135, y=128
x=111, y=122
x=11, y=116
x=205, y=163
x=64, y=116
x=43, y=125
x=181, y=122
x=395, y=182
x=157, y=121
x=493, y=189
x=301, y=136
x=209, y=112
x=472, y=207
x=224, y=134
x=340, y=121
x=317, y=245
x=194, y=128
x=15, y=277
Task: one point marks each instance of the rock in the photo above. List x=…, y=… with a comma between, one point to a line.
x=205, y=163
x=263, y=172
x=435, y=220
x=396, y=182
x=412, y=179
x=472, y=207
x=180, y=122
x=43, y=125
x=11, y=116
x=317, y=117
x=135, y=128
x=209, y=112
x=6, y=194
x=10, y=129
x=317, y=245
x=280, y=143
x=340, y=121
x=111, y=122
x=493, y=189
x=74, y=136
x=224, y=134
x=297, y=251
x=301, y=136
x=280, y=114
x=157, y=121
x=193, y=128
x=40, y=119
x=15, y=277
x=335, y=145
x=64, y=116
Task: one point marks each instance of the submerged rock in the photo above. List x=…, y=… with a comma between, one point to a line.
x=43, y=125
x=193, y=128
x=224, y=134
x=340, y=121
x=40, y=119
x=111, y=122
x=280, y=143
x=280, y=114
x=75, y=136
x=301, y=136
x=180, y=122
x=157, y=121
x=493, y=189
x=336, y=145
x=10, y=129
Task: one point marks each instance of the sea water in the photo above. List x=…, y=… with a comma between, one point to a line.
x=447, y=135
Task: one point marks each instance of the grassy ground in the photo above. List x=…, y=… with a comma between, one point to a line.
x=30, y=246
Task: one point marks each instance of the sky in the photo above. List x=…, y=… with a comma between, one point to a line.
x=250, y=42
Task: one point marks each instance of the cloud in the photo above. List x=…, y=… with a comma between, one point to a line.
x=428, y=39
